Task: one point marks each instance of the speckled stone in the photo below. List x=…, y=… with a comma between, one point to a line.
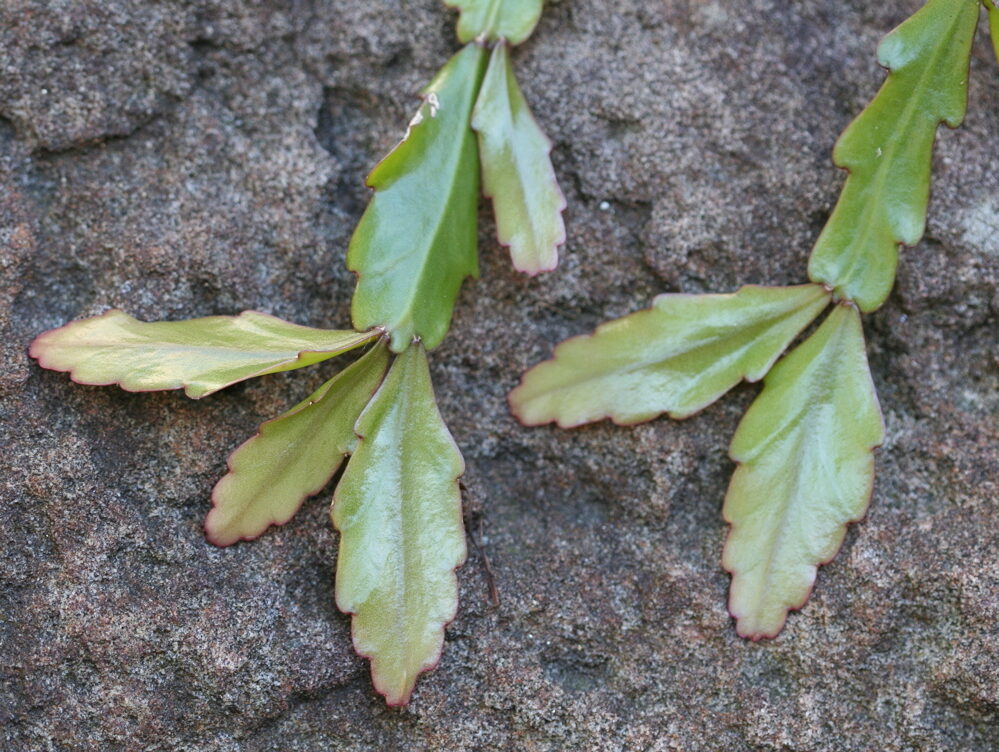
x=180, y=158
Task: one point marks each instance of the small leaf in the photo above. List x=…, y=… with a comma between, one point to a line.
x=517, y=172
x=512, y=20
x=806, y=469
x=201, y=355
x=398, y=510
x=416, y=242
x=293, y=456
x=888, y=149
x=677, y=357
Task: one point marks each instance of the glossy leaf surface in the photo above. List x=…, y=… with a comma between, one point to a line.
x=678, y=356
x=398, y=510
x=416, y=242
x=888, y=149
x=517, y=172
x=294, y=455
x=512, y=20
x=201, y=355
x=805, y=471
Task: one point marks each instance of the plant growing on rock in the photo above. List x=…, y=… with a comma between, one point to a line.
x=804, y=448
x=397, y=505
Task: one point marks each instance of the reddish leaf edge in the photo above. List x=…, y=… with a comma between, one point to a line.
x=563, y=203
x=403, y=701
x=431, y=665
x=275, y=521
x=671, y=414
x=757, y=637
x=38, y=347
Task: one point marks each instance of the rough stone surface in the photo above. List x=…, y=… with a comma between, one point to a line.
x=179, y=158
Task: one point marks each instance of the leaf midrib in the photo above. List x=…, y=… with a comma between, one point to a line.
x=804, y=428
x=697, y=346
x=400, y=417
x=868, y=222
x=423, y=252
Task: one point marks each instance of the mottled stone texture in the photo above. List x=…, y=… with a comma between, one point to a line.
x=179, y=158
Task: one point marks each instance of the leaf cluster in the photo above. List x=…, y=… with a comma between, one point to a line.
x=416, y=243
x=397, y=505
x=804, y=448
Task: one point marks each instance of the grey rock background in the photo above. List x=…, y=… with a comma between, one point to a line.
x=181, y=158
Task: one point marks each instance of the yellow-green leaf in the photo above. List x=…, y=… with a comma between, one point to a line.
x=677, y=357
x=398, y=510
x=517, y=172
x=512, y=20
x=416, y=242
x=201, y=355
x=294, y=455
x=888, y=150
x=805, y=471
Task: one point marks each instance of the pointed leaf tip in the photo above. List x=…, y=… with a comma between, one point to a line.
x=417, y=240
x=201, y=355
x=805, y=470
x=491, y=20
x=292, y=456
x=677, y=357
x=398, y=510
x=888, y=148
x=517, y=172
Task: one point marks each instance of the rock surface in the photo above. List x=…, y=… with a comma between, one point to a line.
x=179, y=158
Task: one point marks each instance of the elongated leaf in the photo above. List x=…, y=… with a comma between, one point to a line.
x=416, y=242
x=512, y=20
x=293, y=456
x=398, y=510
x=887, y=150
x=677, y=357
x=201, y=355
x=806, y=469
x=517, y=172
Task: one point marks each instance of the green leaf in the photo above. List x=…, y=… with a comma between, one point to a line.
x=398, y=510
x=677, y=357
x=201, y=355
x=512, y=20
x=888, y=150
x=294, y=455
x=517, y=172
x=416, y=242
x=806, y=469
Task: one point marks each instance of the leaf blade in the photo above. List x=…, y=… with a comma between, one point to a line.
x=512, y=20
x=517, y=172
x=200, y=355
x=417, y=240
x=806, y=469
x=292, y=456
x=398, y=510
x=888, y=148
x=678, y=357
